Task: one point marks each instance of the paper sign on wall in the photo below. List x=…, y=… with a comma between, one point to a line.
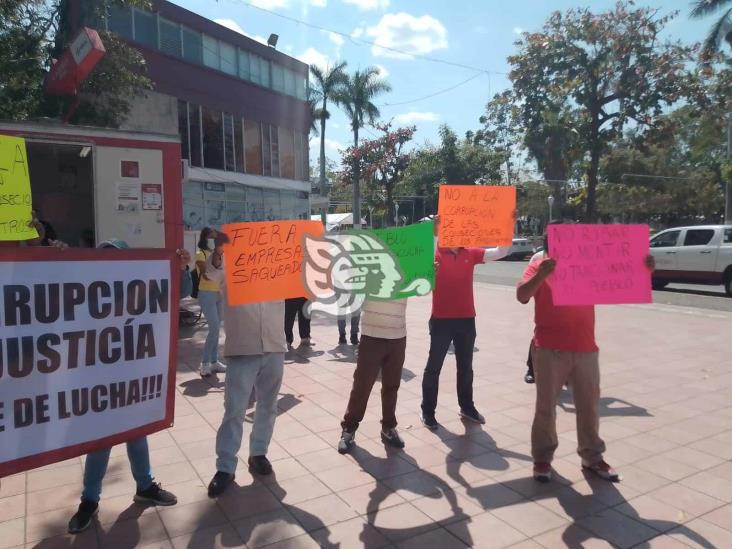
x=264, y=260
x=476, y=216
x=128, y=197
x=152, y=196
x=414, y=247
x=15, y=191
x=599, y=264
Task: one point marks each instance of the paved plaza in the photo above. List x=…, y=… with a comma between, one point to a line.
x=666, y=418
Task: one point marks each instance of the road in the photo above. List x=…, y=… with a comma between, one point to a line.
x=679, y=295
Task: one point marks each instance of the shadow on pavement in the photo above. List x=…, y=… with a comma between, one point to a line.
x=609, y=406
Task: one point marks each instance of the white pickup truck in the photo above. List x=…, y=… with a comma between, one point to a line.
x=693, y=255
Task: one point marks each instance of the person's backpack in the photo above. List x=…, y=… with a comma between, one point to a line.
x=196, y=279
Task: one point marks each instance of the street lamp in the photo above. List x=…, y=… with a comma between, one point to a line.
x=396, y=214
x=551, y=206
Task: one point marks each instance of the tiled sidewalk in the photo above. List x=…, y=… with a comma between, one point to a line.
x=666, y=417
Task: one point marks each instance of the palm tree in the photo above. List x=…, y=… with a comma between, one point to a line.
x=328, y=83
x=356, y=99
x=721, y=30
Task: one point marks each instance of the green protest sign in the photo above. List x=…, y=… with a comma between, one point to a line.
x=414, y=247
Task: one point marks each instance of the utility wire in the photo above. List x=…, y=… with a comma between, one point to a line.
x=433, y=94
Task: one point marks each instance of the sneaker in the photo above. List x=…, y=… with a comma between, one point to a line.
x=260, y=465
x=603, y=470
x=529, y=377
x=289, y=346
x=429, y=421
x=205, y=369
x=306, y=342
x=392, y=438
x=155, y=495
x=354, y=340
x=472, y=415
x=342, y=340
x=219, y=484
x=218, y=367
x=542, y=472
x=347, y=442
x=82, y=519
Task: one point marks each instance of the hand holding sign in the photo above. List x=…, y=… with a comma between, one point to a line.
x=600, y=264
x=475, y=215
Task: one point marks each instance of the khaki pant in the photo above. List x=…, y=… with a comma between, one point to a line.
x=552, y=369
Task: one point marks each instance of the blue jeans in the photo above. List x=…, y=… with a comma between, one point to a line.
x=355, y=319
x=263, y=373
x=212, y=308
x=96, y=467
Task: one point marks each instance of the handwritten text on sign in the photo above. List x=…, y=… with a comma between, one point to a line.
x=599, y=264
x=264, y=260
x=84, y=356
x=15, y=191
x=414, y=248
x=476, y=216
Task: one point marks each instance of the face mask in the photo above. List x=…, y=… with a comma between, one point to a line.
x=211, y=243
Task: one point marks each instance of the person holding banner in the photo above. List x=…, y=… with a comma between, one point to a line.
x=255, y=345
x=95, y=466
x=453, y=321
x=564, y=349
x=209, y=297
x=381, y=350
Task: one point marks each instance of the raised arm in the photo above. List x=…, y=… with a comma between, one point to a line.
x=528, y=288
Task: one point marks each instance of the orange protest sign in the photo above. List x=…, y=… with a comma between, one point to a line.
x=476, y=216
x=264, y=260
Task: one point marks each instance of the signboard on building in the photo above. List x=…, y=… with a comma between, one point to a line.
x=75, y=64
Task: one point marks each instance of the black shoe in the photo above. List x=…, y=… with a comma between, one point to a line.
x=155, y=495
x=429, y=421
x=82, y=519
x=342, y=340
x=354, y=340
x=529, y=377
x=392, y=438
x=347, y=441
x=472, y=415
x=219, y=484
x=260, y=465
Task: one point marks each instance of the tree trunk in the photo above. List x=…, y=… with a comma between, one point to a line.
x=356, y=185
x=323, y=189
x=390, y=214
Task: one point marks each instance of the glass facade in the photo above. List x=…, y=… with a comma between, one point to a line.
x=155, y=32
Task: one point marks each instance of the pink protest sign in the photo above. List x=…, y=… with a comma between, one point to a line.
x=599, y=264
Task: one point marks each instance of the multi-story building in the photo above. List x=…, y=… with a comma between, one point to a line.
x=239, y=106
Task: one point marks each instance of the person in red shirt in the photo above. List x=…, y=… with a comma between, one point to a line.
x=564, y=350
x=453, y=321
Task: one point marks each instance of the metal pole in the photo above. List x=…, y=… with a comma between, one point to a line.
x=728, y=184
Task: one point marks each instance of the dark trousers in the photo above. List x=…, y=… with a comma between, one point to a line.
x=376, y=354
x=355, y=319
x=443, y=331
x=294, y=308
x=530, y=362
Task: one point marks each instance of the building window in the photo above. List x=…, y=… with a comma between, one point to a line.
x=271, y=205
x=194, y=123
x=290, y=83
x=301, y=83
x=278, y=78
x=239, y=145
x=265, y=71
x=185, y=145
x=211, y=52
x=146, y=28
x=266, y=150
x=170, y=38
x=228, y=58
x=192, y=46
x=193, y=214
x=120, y=21
x=275, y=143
x=255, y=72
x=229, y=154
x=305, y=157
x=253, y=147
x=213, y=139
x=287, y=152
x=244, y=70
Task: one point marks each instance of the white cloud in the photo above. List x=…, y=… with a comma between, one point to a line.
x=311, y=56
x=366, y=5
x=518, y=30
x=336, y=38
x=331, y=145
x=233, y=25
x=413, y=116
x=358, y=32
x=407, y=33
x=383, y=71
x=319, y=3
x=270, y=4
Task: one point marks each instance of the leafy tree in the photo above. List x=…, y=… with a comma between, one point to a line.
x=327, y=82
x=35, y=32
x=596, y=73
x=356, y=98
x=381, y=161
x=721, y=30
x=502, y=130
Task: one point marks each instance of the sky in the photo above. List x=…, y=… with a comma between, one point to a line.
x=478, y=34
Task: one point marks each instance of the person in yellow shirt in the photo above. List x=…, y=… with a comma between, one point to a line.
x=209, y=297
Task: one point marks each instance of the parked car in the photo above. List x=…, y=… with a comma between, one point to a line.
x=521, y=248
x=693, y=255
